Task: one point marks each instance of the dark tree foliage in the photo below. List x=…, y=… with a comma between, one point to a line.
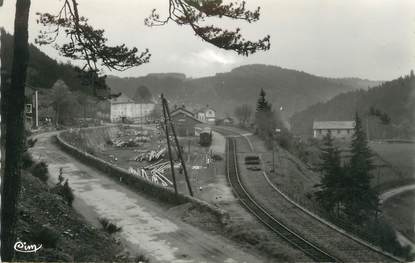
x=142, y=94
x=195, y=13
x=265, y=119
x=243, y=114
x=331, y=190
x=383, y=116
x=361, y=199
x=262, y=104
x=85, y=43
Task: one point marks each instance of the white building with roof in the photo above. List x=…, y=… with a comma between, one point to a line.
x=338, y=129
x=126, y=108
x=206, y=115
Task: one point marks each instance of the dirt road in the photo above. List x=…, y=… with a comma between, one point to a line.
x=147, y=227
x=399, y=209
x=396, y=191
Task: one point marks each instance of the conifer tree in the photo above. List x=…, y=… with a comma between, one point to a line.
x=262, y=104
x=264, y=117
x=330, y=194
x=361, y=199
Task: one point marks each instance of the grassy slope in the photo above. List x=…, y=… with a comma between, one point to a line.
x=77, y=241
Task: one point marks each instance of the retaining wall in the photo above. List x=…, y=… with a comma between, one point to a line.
x=139, y=184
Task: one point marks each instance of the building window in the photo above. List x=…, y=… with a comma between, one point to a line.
x=319, y=131
x=338, y=131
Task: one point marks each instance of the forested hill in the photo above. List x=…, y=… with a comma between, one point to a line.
x=395, y=98
x=43, y=71
x=294, y=90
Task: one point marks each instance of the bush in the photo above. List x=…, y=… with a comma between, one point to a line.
x=382, y=234
x=27, y=160
x=46, y=236
x=217, y=157
x=40, y=170
x=65, y=191
x=141, y=259
x=109, y=226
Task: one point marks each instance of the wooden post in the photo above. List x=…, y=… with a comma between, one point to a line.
x=36, y=109
x=188, y=152
x=168, y=146
x=273, y=157
x=179, y=151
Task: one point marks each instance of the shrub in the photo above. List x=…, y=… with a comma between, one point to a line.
x=382, y=234
x=65, y=191
x=40, y=170
x=46, y=236
x=217, y=157
x=141, y=259
x=27, y=160
x=109, y=226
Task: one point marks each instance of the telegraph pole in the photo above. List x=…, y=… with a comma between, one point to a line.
x=273, y=156
x=166, y=129
x=179, y=151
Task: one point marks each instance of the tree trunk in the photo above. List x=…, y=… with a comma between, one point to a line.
x=14, y=130
x=57, y=115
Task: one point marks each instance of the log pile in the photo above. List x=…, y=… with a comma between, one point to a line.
x=154, y=172
x=151, y=155
x=132, y=142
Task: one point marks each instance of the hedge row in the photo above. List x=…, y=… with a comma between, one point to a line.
x=139, y=184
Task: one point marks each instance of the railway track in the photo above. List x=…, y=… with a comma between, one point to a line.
x=266, y=218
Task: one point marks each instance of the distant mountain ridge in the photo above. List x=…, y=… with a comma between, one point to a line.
x=395, y=98
x=291, y=89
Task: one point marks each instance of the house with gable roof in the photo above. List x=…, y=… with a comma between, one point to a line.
x=206, y=115
x=184, y=121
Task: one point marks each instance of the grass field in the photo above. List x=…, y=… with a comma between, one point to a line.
x=399, y=210
x=400, y=155
x=397, y=164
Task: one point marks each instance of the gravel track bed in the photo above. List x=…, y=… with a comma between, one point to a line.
x=309, y=227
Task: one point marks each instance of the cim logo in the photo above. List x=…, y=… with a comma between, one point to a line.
x=22, y=247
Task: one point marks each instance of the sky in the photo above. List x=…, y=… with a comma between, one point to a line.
x=373, y=39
